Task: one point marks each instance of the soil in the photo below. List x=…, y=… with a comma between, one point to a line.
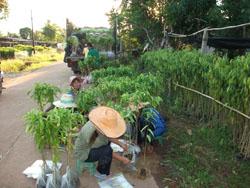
x=154, y=165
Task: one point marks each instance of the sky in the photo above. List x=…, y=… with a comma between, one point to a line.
x=81, y=12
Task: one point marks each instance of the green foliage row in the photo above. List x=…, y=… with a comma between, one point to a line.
x=229, y=81
x=226, y=80
x=119, y=87
x=221, y=78
x=113, y=71
x=91, y=63
x=123, y=90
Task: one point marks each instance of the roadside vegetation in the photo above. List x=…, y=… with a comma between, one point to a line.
x=20, y=58
x=209, y=147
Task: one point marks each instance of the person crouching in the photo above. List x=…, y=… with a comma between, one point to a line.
x=105, y=125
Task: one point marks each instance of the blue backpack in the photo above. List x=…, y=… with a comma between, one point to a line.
x=153, y=118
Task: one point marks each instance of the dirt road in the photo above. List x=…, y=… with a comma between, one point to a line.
x=17, y=149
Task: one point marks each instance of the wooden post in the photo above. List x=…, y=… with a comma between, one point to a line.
x=167, y=41
x=67, y=30
x=204, y=41
x=244, y=32
x=32, y=34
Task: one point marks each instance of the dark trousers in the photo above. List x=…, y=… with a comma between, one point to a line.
x=103, y=155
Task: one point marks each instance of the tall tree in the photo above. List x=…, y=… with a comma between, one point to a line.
x=53, y=32
x=25, y=32
x=38, y=35
x=140, y=21
x=187, y=16
x=49, y=31
x=3, y=9
x=234, y=13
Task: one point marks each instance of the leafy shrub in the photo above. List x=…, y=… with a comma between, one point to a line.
x=7, y=52
x=43, y=94
x=21, y=47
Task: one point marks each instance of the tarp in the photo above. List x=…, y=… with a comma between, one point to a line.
x=116, y=181
x=221, y=42
x=35, y=169
x=229, y=43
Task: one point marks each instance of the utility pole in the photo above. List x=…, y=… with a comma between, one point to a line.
x=115, y=30
x=115, y=36
x=32, y=33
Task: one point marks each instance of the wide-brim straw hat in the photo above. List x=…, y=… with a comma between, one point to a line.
x=66, y=101
x=108, y=121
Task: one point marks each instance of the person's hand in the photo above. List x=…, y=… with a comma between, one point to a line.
x=125, y=161
x=84, y=81
x=125, y=147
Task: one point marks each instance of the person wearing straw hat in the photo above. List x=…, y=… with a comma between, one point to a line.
x=105, y=125
x=67, y=100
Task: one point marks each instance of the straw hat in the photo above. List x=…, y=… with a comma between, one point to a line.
x=108, y=121
x=73, y=78
x=66, y=101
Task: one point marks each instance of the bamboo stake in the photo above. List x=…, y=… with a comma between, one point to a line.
x=229, y=27
x=211, y=98
x=208, y=29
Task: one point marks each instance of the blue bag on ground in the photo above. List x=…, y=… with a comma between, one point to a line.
x=156, y=122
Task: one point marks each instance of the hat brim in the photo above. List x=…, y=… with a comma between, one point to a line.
x=59, y=104
x=114, y=131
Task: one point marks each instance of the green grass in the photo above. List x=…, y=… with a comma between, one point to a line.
x=204, y=156
x=40, y=59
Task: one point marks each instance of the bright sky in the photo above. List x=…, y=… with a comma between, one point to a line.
x=80, y=12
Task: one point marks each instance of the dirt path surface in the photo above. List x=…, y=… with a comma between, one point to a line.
x=17, y=149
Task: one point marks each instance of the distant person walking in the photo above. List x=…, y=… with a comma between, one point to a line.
x=94, y=53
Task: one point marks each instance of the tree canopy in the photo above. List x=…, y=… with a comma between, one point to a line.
x=143, y=21
x=53, y=32
x=3, y=9
x=25, y=33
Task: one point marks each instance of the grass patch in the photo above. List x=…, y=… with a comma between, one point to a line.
x=204, y=156
x=40, y=59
